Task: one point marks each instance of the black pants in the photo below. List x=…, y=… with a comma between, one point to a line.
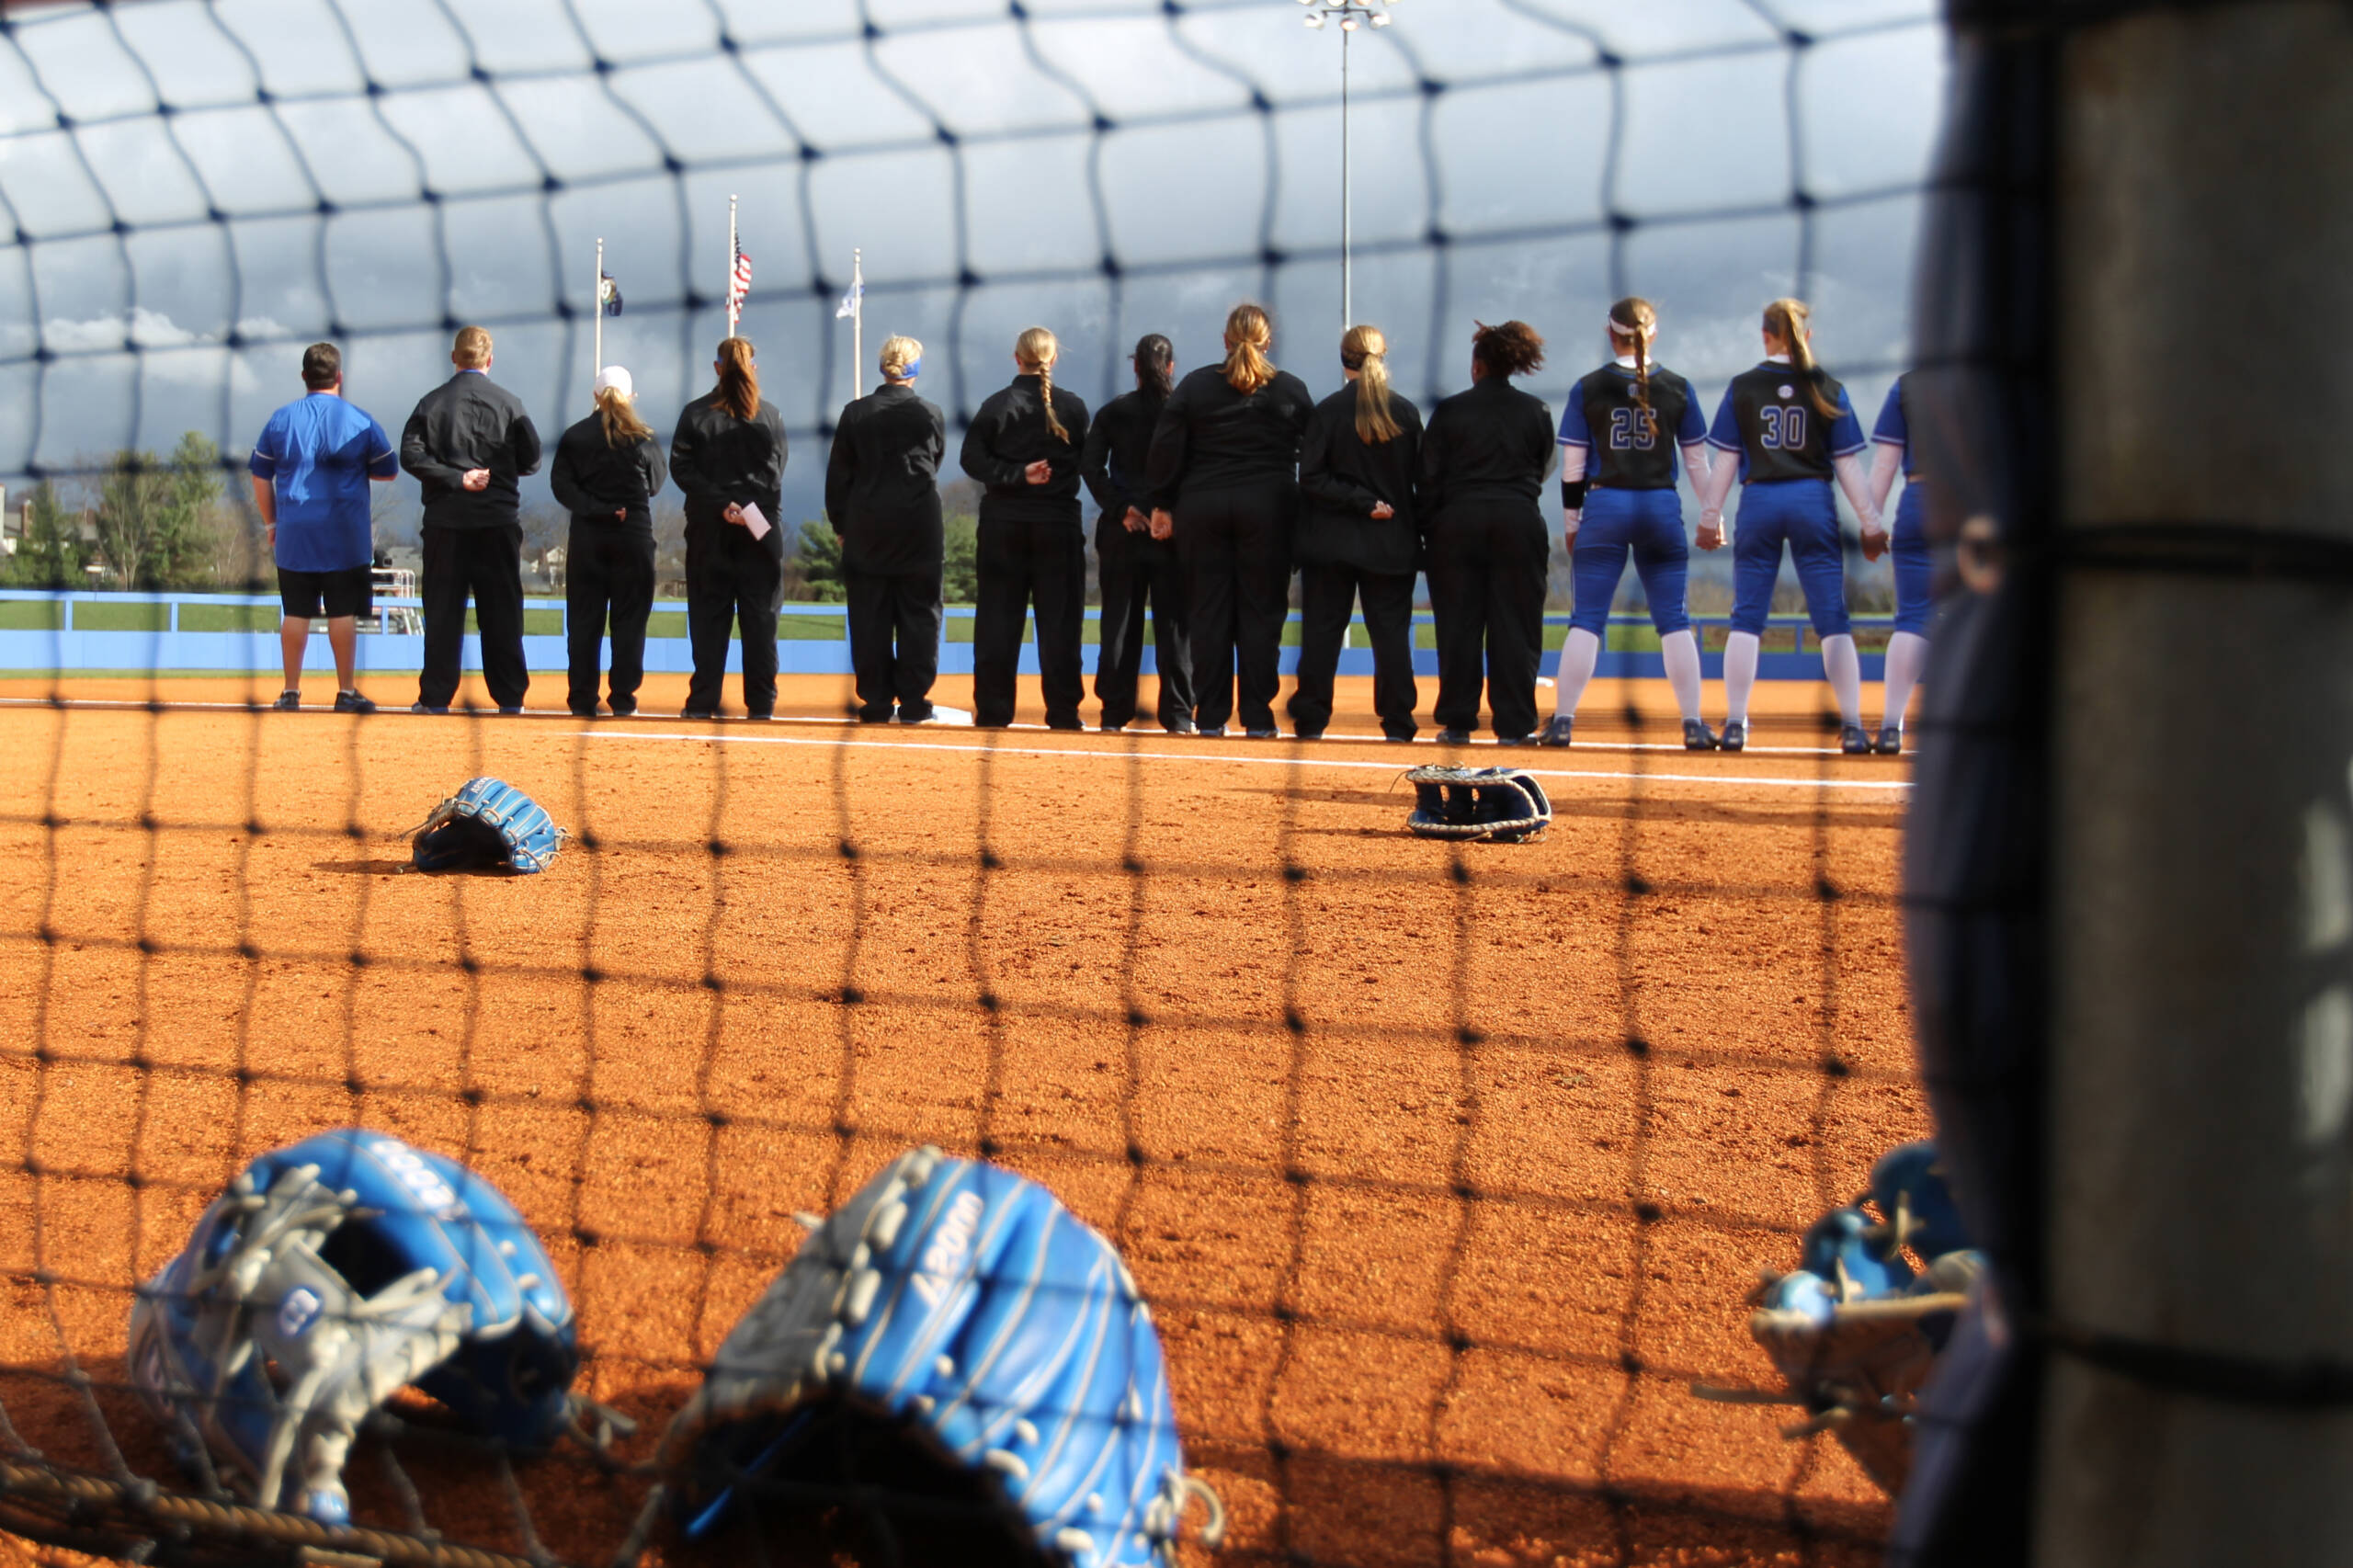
x=1134, y=572
x=1327, y=592
x=607, y=571
x=901, y=608
x=1487, y=566
x=1236, y=547
x=1021, y=562
x=733, y=583
x=488, y=564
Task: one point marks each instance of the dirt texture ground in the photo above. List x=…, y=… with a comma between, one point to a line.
x=1445, y=1169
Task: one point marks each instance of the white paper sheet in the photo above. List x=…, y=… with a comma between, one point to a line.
x=755, y=522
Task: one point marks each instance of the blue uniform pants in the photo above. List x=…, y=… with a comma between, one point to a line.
x=1648, y=524
x=1800, y=513
x=1913, y=573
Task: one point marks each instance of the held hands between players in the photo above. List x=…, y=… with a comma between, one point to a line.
x=1711, y=529
x=476, y=479
x=1875, y=539
x=1163, y=525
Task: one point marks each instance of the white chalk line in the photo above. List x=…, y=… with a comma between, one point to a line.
x=389, y=711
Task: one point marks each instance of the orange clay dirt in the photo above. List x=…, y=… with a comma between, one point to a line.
x=1436, y=1260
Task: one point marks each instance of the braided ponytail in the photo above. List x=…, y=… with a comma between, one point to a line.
x=1635, y=319
x=1035, y=351
x=1365, y=351
x=1785, y=318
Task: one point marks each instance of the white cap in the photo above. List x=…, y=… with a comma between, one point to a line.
x=615, y=377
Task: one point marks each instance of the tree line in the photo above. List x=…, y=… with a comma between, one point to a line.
x=136, y=522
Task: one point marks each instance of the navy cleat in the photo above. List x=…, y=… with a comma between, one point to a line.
x=1454, y=737
x=287, y=702
x=1696, y=736
x=1891, y=740
x=1735, y=735
x=352, y=702
x=1556, y=733
x=1853, y=740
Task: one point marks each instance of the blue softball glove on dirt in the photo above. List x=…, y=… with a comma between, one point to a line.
x=953, y=1358
x=332, y=1273
x=488, y=825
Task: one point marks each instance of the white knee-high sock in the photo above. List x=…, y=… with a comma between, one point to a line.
x=1681, y=650
x=1908, y=654
x=1578, y=656
x=1843, y=670
x=1740, y=673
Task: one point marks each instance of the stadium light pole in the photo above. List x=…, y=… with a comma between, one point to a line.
x=1351, y=15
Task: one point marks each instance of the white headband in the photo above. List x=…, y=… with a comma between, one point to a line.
x=1622, y=330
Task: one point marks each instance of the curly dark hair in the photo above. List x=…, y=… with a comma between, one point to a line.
x=1511, y=349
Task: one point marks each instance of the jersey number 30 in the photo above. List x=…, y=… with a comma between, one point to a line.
x=1628, y=428
x=1784, y=428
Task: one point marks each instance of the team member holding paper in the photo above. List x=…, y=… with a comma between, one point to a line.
x=728, y=456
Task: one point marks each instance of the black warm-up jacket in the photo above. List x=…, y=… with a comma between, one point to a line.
x=1341, y=476
x=1009, y=434
x=1210, y=437
x=1491, y=445
x=470, y=422
x=593, y=479
x=719, y=461
x=1119, y=451
x=882, y=483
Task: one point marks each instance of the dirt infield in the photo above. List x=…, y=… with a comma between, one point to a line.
x=1445, y=1183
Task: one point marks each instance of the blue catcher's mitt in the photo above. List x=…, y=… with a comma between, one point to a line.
x=1854, y=1332
x=486, y=824
x=953, y=1341
x=1506, y=804
x=330, y=1273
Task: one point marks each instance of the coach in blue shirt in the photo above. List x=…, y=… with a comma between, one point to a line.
x=311, y=472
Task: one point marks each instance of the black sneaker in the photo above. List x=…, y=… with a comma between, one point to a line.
x=1268, y=733
x=1515, y=740
x=1853, y=742
x=351, y=702
x=761, y=715
x=1307, y=734
x=1109, y=728
x=287, y=702
x=1212, y=732
x=1181, y=727
x=698, y=714
x=1735, y=735
x=1454, y=737
x=624, y=710
x=426, y=707
x=1556, y=733
x=1400, y=737
x=1696, y=736
x=1891, y=740
x=923, y=715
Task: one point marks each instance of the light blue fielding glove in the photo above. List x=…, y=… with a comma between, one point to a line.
x=956, y=1340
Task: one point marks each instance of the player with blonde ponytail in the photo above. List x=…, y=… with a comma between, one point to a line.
x=1024, y=445
x=1792, y=428
x=1223, y=480
x=1619, y=437
x=882, y=494
x=1358, y=538
x=606, y=472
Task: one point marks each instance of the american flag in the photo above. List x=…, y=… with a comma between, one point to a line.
x=739, y=285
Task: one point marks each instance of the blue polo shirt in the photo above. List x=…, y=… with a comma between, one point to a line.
x=318, y=455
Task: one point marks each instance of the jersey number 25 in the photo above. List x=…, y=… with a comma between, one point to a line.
x=1628, y=428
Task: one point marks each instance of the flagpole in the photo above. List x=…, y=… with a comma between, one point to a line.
x=596, y=308
x=857, y=325
x=731, y=316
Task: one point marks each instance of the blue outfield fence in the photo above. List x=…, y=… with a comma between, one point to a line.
x=70, y=634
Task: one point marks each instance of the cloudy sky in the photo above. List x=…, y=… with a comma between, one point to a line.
x=190, y=192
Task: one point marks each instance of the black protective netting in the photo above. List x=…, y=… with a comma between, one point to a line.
x=1444, y=1169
